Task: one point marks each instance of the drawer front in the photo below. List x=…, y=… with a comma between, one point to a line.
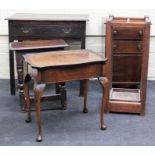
x=127, y=68
x=127, y=33
x=45, y=29
x=127, y=46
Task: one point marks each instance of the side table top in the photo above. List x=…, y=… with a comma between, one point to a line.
x=38, y=44
x=63, y=58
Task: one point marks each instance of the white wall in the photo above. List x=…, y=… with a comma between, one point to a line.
x=95, y=32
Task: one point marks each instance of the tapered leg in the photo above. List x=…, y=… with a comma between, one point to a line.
x=38, y=90
x=81, y=93
x=105, y=87
x=85, y=93
x=27, y=95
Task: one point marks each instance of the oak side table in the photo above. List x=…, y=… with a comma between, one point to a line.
x=53, y=67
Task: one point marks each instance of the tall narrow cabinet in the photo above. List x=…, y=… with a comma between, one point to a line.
x=127, y=48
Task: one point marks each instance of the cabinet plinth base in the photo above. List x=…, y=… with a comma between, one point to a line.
x=125, y=101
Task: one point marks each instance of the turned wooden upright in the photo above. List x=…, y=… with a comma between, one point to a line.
x=60, y=67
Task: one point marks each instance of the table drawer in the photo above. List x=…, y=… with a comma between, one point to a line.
x=127, y=33
x=46, y=29
x=120, y=46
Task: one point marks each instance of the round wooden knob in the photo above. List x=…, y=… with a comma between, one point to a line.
x=114, y=46
x=139, y=46
x=140, y=33
x=115, y=32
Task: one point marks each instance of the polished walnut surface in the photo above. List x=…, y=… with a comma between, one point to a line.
x=48, y=17
x=63, y=58
x=38, y=44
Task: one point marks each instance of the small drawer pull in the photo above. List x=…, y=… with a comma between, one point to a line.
x=139, y=46
x=25, y=30
x=67, y=30
x=115, y=32
x=114, y=46
x=140, y=33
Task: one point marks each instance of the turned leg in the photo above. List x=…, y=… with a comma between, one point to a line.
x=63, y=95
x=19, y=60
x=85, y=93
x=105, y=87
x=12, y=72
x=27, y=95
x=57, y=87
x=38, y=90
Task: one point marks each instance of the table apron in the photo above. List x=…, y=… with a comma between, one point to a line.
x=68, y=73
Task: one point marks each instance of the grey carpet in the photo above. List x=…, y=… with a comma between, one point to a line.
x=71, y=126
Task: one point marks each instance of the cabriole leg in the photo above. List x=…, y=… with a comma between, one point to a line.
x=38, y=91
x=105, y=87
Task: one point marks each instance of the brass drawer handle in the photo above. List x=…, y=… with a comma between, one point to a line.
x=67, y=30
x=25, y=30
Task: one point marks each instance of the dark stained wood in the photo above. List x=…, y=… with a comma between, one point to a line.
x=28, y=29
x=70, y=65
x=25, y=26
x=127, y=48
x=85, y=87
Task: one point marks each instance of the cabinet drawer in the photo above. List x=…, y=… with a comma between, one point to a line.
x=127, y=33
x=127, y=46
x=38, y=29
